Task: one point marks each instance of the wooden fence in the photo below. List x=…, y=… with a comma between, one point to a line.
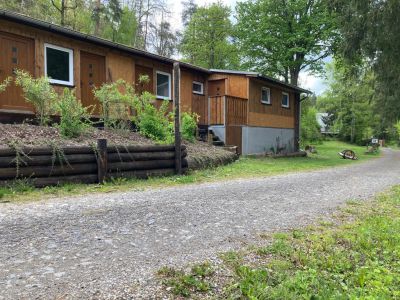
x=48, y=166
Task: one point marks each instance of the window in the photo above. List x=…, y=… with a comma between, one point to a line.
x=58, y=64
x=265, y=95
x=285, y=100
x=198, y=87
x=163, y=85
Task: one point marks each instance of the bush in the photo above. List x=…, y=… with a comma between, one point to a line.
x=39, y=92
x=74, y=118
x=115, y=99
x=189, y=126
x=5, y=84
x=152, y=122
x=310, y=129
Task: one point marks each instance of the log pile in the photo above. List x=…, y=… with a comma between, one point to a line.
x=46, y=166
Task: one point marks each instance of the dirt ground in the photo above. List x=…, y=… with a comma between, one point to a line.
x=32, y=135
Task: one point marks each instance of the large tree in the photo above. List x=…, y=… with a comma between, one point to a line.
x=283, y=37
x=164, y=40
x=370, y=35
x=207, y=38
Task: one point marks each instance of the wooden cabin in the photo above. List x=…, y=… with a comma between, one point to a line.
x=253, y=112
x=80, y=61
x=256, y=113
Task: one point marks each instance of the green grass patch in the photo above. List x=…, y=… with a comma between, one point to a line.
x=356, y=257
x=327, y=156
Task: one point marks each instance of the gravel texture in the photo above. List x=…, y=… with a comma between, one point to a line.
x=110, y=245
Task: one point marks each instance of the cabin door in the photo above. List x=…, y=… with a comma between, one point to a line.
x=15, y=53
x=93, y=74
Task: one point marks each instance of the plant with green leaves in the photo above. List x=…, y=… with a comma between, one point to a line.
x=115, y=98
x=74, y=118
x=39, y=92
x=189, y=125
x=5, y=84
x=151, y=121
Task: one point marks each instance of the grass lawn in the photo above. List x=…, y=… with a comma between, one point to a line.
x=327, y=156
x=353, y=255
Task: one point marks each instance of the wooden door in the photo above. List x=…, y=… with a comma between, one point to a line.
x=16, y=52
x=93, y=74
x=143, y=87
x=234, y=136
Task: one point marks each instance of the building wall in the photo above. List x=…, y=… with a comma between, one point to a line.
x=256, y=140
x=270, y=115
x=234, y=85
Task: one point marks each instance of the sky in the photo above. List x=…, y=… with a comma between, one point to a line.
x=306, y=80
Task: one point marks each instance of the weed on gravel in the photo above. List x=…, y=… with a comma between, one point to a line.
x=353, y=255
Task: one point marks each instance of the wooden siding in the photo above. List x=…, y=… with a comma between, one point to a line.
x=236, y=111
x=217, y=110
x=228, y=84
x=216, y=87
x=191, y=102
x=270, y=115
x=234, y=136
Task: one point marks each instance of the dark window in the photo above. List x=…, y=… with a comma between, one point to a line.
x=58, y=64
x=285, y=100
x=197, y=87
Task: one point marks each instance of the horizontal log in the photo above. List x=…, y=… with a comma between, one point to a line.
x=31, y=151
x=45, y=171
x=46, y=160
x=140, y=165
x=127, y=157
x=51, y=181
x=141, y=148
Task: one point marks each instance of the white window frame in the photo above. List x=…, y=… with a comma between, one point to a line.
x=288, y=100
x=70, y=82
x=264, y=88
x=202, y=87
x=169, y=97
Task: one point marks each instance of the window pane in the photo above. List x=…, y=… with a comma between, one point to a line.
x=197, y=88
x=57, y=64
x=285, y=100
x=163, y=85
x=265, y=95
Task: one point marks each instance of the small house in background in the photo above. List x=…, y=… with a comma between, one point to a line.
x=253, y=112
x=324, y=120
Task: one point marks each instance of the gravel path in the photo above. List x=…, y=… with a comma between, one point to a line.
x=99, y=246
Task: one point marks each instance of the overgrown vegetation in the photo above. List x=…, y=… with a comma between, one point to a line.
x=189, y=125
x=74, y=118
x=5, y=84
x=353, y=255
x=39, y=93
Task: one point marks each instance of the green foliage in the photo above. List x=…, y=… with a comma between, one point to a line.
x=357, y=260
x=115, y=98
x=350, y=99
x=74, y=118
x=39, y=92
x=281, y=38
x=151, y=121
x=184, y=284
x=4, y=84
x=189, y=126
x=207, y=38
x=310, y=130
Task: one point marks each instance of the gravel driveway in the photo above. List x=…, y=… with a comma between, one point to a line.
x=99, y=246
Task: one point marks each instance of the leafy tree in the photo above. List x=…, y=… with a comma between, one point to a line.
x=164, y=39
x=310, y=131
x=283, y=37
x=370, y=33
x=189, y=8
x=207, y=39
x=350, y=99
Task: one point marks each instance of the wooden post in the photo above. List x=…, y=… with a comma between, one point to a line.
x=102, y=160
x=178, y=156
